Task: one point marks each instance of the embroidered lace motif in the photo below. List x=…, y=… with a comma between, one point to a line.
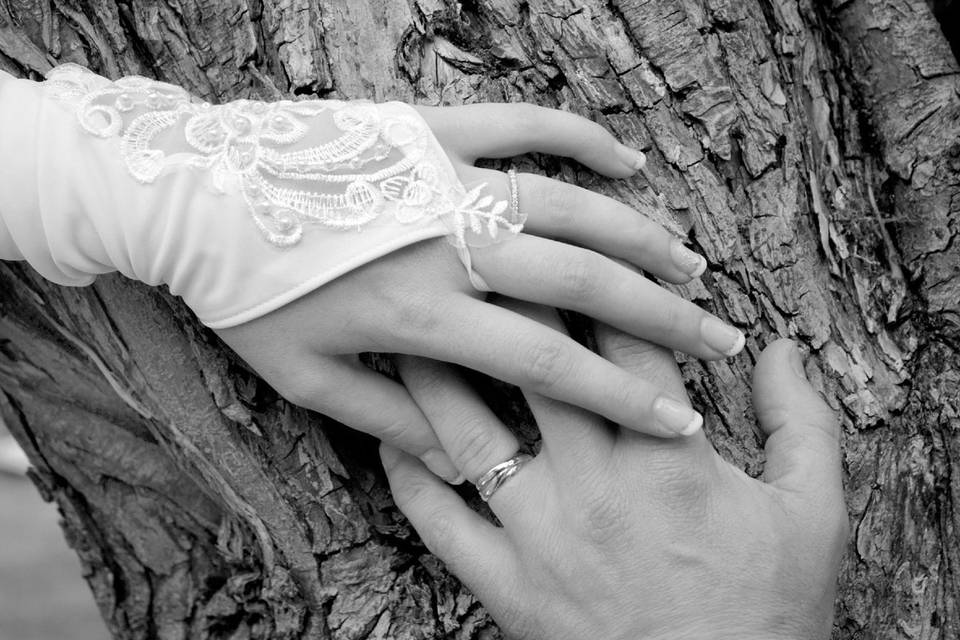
x=334, y=163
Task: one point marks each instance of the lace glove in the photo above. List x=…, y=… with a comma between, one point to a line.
x=239, y=208
x=246, y=209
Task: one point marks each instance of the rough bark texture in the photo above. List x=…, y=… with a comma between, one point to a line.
x=811, y=150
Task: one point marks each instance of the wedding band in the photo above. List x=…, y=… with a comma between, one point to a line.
x=492, y=480
x=514, y=194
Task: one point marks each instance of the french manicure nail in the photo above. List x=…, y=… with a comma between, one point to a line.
x=690, y=262
x=633, y=158
x=677, y=417
x=441, y=465
x=721, y=337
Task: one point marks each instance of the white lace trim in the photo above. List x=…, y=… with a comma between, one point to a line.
x=374, y=160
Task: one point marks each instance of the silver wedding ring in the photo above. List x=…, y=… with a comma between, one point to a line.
x=492, y=480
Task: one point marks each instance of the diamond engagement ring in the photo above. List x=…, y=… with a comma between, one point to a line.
x=492, y=480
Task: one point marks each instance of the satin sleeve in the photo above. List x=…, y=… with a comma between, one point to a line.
x=8, y=249
x=239, y=208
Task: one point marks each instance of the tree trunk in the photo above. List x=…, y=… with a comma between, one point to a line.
x=811, y=151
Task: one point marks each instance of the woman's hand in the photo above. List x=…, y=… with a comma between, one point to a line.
x=419, y=300
x=611, y=534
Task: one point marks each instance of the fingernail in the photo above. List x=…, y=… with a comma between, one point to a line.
x=690, y=262
x=722, y=337
x=441, y=465
x=633, y=158
x=796, y=361
x=677, y=417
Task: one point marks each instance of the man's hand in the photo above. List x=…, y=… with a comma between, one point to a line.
x=609, y=533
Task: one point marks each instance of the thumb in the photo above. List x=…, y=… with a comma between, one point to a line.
x=803, y=450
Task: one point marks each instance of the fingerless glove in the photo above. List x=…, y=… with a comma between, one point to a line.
x=239, y=208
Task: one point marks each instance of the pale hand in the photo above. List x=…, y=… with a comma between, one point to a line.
x=419, y=300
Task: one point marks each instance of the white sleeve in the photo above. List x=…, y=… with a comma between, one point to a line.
x=239, y=208
x=8, y=249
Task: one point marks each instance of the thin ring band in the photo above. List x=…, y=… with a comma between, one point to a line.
x=493, y=479
x=514, y=194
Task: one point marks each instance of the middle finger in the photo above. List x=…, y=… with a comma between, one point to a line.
x=510, y=347
x=561, y=275
x=470, y=433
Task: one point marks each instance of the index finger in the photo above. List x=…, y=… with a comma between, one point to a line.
x=516, y=349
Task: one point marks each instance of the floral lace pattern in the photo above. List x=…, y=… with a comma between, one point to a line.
x=375, y=159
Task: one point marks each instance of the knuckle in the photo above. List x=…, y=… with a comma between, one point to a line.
x=621, y=393
x=774, y=417
x=417, y=314
x=690, y=488
x=578, y=277
x=670, y=319
x=396, y=430
x=679, y=479
x=606, y=520
x=559, y=202
x=564, y=217
x=627, y=351
x=672, y=315
x=546, y=362
x=475, y=444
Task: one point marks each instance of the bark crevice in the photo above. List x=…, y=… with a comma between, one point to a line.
x=808, y=149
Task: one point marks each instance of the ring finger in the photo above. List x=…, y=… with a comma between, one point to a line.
x=470, y=433
x=555, y=209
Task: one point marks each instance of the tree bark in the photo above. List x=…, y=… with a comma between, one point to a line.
x=810, y=150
